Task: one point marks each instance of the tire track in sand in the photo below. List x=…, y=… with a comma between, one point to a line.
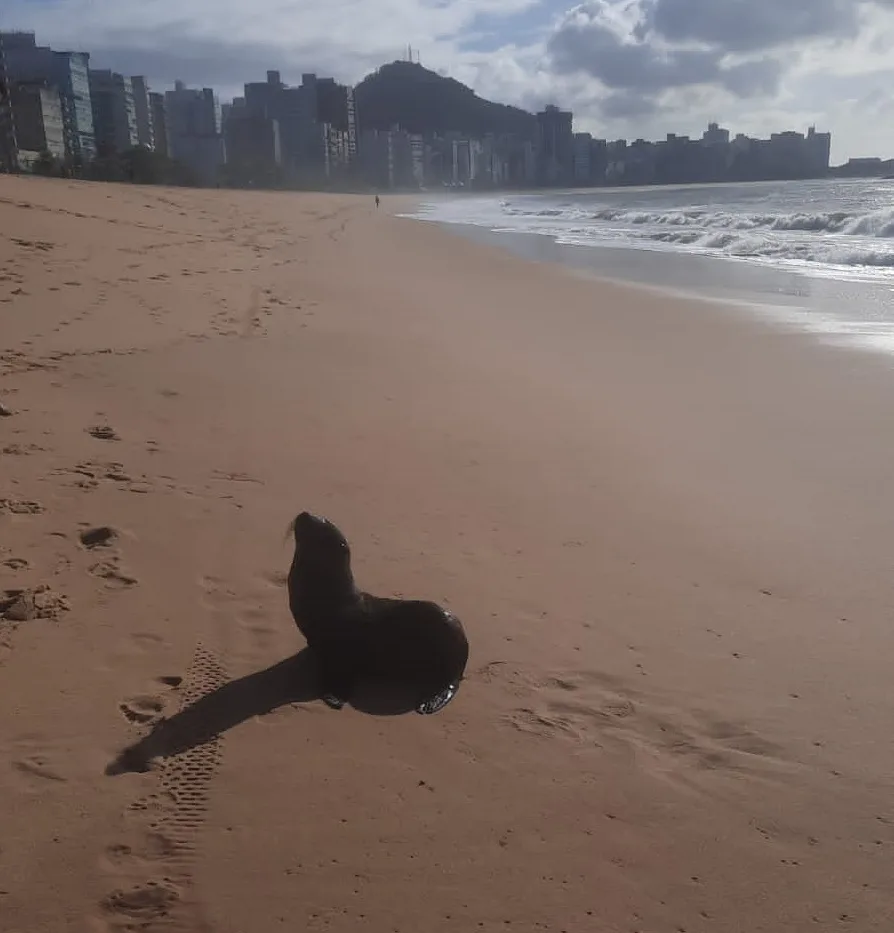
x=154, y=859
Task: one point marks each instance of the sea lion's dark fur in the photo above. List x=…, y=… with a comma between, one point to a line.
x=358, y=636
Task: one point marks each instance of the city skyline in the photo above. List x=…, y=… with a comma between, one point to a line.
x=627, y=68
x=281, y=135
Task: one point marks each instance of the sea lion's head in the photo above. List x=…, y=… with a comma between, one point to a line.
x=320, y=545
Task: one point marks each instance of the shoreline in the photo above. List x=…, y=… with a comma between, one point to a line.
x=785, y=313
x=835, y=302
x=665, y=530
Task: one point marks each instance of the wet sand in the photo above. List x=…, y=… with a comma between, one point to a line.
x=666, y=527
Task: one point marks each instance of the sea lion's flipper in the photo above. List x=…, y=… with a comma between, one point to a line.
x=436, y=703
x=339, y=676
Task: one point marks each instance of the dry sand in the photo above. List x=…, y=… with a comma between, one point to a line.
x=667, y=528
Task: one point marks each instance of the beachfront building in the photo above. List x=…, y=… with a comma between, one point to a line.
x=460, y=162
x=391, y=159
x=582, y=159
x=254, y=151
x=819, y=151
x=194, y=131
x=291, y=108
x=68, y=72
x=555, y=146
x=159, y=123
x=39, y=126
x=143, y=112
x=333, y=108
x=317, y=123
x=715, y=135
x=72, y=79
x=114, y=113
x=9, y=150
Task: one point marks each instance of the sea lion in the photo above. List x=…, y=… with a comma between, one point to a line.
x=357, y=636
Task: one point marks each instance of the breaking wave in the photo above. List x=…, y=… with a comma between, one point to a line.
x=855, y=238
x=876, y=224
x=828, y=252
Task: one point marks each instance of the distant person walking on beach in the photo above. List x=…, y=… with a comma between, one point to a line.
x=377, y=202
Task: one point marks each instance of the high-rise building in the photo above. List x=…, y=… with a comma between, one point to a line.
x=417, y=160
x=39, y=126
x=69, y=73
x=72, y=77
x=390, y=158
x=194, y=137
x=819, y=150
x=114, y=113
x=317, y=121
x=555, y=144
x=303, y=143
x=159, y=123
x=273, y=100
x=9, y=150
x=252, y=145
x=264, y=97
x=715, y=135
x=583, y=143
x=143, y=112
x=598, y=161
x=335, y=108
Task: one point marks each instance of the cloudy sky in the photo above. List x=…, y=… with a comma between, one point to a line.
x=627, y=68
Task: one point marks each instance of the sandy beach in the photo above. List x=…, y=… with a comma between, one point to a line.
x=667, y=527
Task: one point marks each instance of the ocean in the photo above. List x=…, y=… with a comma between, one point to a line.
x=815, y=255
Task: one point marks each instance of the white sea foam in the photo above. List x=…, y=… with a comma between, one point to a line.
x=831, y=229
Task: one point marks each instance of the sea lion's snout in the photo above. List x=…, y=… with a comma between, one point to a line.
x=306, y=523
x=313, y=530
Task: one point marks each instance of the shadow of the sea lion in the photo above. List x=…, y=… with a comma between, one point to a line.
x=294, y=680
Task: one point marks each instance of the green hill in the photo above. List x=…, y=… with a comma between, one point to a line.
x=417, y=100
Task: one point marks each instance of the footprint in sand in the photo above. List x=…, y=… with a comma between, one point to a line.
x=142, y=709
x=21, y=450
x=146, y=641
x=146, y=903
x=20, y=507
x=88, y=475
x=103, y=432
x=111, y=571
x=234, y=477
x=139, y=850
x=38, y=766
x=100, y=537
x=590, y=708
x=117, y=473
x=15, y=563
x=41, y=245
x=35, y=760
